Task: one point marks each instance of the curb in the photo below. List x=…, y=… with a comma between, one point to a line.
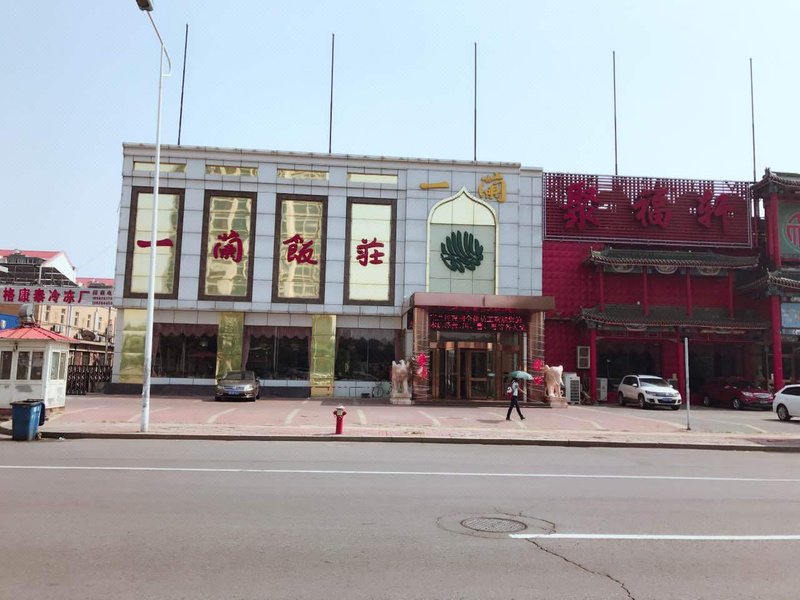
x=568, y=443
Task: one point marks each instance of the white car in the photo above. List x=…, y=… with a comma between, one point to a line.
x=648, y=391
x=786, y=403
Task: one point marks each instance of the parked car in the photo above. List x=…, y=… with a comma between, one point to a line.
x=786, y=403
x=238, y=385
x=735, y=392
x=648, y=391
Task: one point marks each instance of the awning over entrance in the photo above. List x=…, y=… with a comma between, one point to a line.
x=445, y=300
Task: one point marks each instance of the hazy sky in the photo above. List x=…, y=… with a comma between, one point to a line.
x=80, y=78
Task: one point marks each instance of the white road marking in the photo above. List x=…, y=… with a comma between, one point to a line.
x=592, y=423
x=72, y=412
x=757, y=429
x=290, y=416
x=433, y=419
x=408, y=473
x=657, y=537
x=213, y=418
x=667, y=422
x=155, y=410
x=362, y=418
x=304, y=401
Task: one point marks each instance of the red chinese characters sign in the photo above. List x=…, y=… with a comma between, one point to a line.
x=477, y=321
x=18, y=294
x=641, y=210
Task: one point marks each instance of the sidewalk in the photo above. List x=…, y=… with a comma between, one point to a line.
x=99, y=416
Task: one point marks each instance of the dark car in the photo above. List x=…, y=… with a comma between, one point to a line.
x=737, y=393
x=238, y=385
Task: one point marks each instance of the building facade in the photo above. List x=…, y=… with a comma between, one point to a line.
x=642, y=267
x=316, y=271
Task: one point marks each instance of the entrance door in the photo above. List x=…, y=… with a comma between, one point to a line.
x=475, y=368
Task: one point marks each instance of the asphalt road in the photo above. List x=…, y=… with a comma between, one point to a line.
x=136, y=519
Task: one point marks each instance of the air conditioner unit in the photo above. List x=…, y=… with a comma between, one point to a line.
x=584, y=361
x=602, y=389
x=56, y=328
x=572, y=388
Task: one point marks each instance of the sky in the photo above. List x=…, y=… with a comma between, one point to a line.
x=80, y=79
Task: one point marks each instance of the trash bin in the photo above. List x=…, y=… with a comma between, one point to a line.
x=26, y=416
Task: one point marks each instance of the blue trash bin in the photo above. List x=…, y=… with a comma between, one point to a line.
x=26, y=416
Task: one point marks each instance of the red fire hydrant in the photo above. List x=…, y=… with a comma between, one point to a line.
x=340, y=412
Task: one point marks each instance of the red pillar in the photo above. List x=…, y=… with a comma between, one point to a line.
x=602, y=289
x=681, y=371
x=644, y=285
x=688, y=292
x=730, y=293
x=777, y=351
x=774, y=234
x=593, y=364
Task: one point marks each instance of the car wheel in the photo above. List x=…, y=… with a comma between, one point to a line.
x=258, y=396
x=737, y=404
x=675, y=407
x=783, y=413
x=706, y=401
x=621, y=398
x=217, y=398
x=642, y=403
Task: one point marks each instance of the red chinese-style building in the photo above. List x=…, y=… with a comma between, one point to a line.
x=641, y=266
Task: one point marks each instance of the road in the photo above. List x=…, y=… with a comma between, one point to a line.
x=136, y=519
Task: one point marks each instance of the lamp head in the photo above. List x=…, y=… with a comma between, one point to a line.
x=144, y=5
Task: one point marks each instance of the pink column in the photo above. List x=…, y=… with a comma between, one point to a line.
x=730, y=293
x=602, y=289
x=644, y=285
x=774, y=234
x=681, y=370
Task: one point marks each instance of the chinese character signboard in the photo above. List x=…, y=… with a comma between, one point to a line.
x=370, y=237
x=168, y=227
x=226, y=264
x=642, y=210
x=789, y=230
x=477, y=321
x=299, y=249
x=64, y=296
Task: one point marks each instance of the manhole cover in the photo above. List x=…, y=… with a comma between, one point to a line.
x=491, y=525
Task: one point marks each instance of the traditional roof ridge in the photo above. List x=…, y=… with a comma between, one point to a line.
x=627, y=316
x=782, y=178
x=780, y=278
x=677, y=258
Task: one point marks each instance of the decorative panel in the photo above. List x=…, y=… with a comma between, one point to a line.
x=226, y=261
x=323, y=354
x=645, y=210
x=299, y=249
x=134, y=324
x=789, y=230
x=168, y=242
x=369, y=272
x=230, y=339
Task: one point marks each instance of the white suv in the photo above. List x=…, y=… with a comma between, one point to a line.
x=786, y=403
x=647, y=391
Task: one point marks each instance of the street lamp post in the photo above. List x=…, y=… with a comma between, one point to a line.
x=147, y=6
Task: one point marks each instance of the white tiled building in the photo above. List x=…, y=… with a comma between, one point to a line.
x=318, y=270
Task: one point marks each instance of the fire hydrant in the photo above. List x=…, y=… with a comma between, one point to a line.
x=340, y=412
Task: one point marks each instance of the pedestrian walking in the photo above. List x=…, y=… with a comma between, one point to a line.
x=513, y=392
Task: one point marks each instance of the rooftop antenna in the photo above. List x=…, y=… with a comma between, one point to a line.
x=330, y=115
x=183, y=81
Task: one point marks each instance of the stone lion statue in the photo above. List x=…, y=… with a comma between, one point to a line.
x=400, y=377
x=553, y=381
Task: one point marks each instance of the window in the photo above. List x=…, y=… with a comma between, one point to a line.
x=299, y=260
x=5, y=364
x=163, y=167
x=234, y=171
x=372, y=178
x=364, y=354
x=302, y=174
x=61, y=317
x=75, y=321
x=278, y=352
x=188, y=352
x=29, y=366
x=58, y=366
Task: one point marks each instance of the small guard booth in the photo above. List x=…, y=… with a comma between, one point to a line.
x=33, y=365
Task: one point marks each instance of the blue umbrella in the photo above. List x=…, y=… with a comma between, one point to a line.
x=520, y=375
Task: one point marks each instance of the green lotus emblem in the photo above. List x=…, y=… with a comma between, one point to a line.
x=461, y=251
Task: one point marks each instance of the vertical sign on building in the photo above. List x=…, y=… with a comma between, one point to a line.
x=168, y=241
x=226, y=263
x=299, y=249
x=789, y=230
x=369, y=277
